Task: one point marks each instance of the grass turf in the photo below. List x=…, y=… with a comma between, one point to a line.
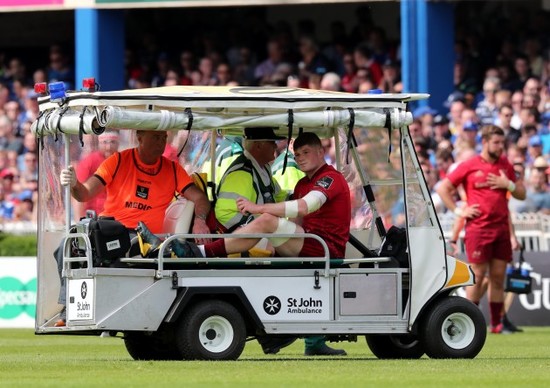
x=26, y=360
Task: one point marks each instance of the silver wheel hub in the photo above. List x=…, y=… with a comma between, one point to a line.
x=458, y=331
x=216, y=334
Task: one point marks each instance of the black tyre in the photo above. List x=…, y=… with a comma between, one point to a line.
x=387, y=346
x=151, y=346
x=453, y=328
x=211, y=330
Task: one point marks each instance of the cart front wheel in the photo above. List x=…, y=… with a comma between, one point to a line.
x=453, y=328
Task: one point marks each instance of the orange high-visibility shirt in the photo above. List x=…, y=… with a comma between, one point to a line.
x=140, y=192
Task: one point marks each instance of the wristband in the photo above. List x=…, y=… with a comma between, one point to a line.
x=458, y=212
x=201, y=217
x=511, y=186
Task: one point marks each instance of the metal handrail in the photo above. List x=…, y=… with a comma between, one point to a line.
x=161, y=259
x=69, y=259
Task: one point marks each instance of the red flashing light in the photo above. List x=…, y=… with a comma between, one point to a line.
x=89, y=84
x=40, y=87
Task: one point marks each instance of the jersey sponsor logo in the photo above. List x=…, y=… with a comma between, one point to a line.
x=142, y=192
x=136, y=205
x=324, y=182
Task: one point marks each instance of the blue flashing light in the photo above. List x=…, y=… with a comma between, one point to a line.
x=375, y=91
x=57, y=91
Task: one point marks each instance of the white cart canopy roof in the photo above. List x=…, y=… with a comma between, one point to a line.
x=213, y=107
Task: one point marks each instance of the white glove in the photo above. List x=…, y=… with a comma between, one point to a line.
x=68, y=177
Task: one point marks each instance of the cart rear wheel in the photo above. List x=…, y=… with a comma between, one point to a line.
x=150, y=346
x=211, y=330
x=387, y=346
x=453, y=328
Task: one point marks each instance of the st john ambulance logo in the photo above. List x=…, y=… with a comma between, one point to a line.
x=83, y=290
x=272, y=305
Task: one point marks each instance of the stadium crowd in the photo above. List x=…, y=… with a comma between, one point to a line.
x=501, y=76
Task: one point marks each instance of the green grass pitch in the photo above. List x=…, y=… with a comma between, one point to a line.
x=26, y=360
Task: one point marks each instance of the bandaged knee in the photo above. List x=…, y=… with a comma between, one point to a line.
x=258, y=250
x=284, y=227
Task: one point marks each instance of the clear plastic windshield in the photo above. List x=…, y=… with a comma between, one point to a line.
x=192, y=158
x=52, y=223
x=418, y=199
x=382, y=167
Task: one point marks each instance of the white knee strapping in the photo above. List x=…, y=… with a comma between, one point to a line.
x=285, y=226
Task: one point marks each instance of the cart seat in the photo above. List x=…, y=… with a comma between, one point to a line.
x=178, y=216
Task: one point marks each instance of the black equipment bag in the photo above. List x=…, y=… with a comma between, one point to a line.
x=109, y=238
x=518, y=277
x=395, y=245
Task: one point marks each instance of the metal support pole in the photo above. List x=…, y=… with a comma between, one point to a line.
x=68, y=187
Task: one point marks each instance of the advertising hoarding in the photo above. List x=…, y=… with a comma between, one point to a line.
x=17, y=292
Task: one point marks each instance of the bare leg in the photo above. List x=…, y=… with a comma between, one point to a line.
x=508, y=300
x=484, y=285
x=266, y=223
x=476, y=292
x=497, y=270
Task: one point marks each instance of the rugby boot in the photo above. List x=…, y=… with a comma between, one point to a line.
x=325, y=350
x=62, y=321
x=272, y=344
x=148, y=242
x=508, y=325
x=185, y=249
x=498, y=329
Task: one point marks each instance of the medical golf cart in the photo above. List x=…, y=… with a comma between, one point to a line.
x=397, y=289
